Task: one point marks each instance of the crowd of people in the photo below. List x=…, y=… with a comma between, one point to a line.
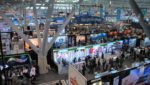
x=127, y=54
x=101, y=64
x=22, y=75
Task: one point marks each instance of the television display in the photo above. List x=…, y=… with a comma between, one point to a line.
x=132, y=42
x=132, y=78
x=59, y=20
x=18, y=60
x=118, y=44
x=15, y=21
x=146, y=70
x=94, y=37
x=126, y=41
x=147, y=41
x=144, y=77
x=98, y=36
x=60, y=41
x=138, y=76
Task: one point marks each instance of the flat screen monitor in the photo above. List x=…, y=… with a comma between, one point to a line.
x=132, y=42
x=126, y=41
x=147, y=41
x=60, y=41
x=144, y=78
x=132, y=78
x=94, y=36
x=18, y=60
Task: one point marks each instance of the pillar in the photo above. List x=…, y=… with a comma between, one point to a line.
x=42, y=63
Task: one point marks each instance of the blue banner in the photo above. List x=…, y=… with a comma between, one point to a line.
x=87, y=19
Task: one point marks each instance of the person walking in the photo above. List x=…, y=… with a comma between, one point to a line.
x=83, y=69
x=33, y=74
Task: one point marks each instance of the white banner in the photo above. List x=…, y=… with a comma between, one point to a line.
x=75, y=77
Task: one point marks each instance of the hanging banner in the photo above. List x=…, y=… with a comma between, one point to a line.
x=87, y=19
x=75, y=77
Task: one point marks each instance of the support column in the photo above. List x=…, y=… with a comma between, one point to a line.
x=49, y=13
x=36, y=21
x=42, y=56
x=42, y=63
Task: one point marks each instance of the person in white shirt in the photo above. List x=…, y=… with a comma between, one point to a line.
x=32, y=71
x=33, y=74
x=25, y=70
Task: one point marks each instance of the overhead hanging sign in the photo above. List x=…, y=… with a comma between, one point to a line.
x=88, y=19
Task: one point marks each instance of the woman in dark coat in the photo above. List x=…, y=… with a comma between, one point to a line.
x=83, y=69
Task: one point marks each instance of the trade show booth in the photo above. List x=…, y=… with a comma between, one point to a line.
x=73, y=55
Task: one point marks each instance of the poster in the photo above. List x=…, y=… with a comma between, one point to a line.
x=75, y=77
x=60, y=41
x=132, y=42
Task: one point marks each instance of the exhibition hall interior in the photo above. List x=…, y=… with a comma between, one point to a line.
x=74, y=42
